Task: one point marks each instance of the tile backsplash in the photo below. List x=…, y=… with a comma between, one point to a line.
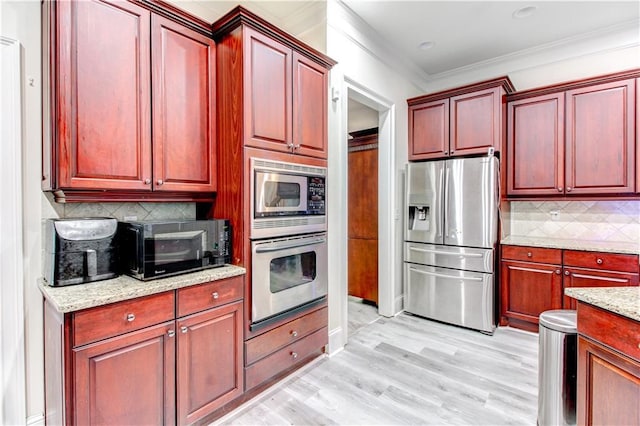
x=128, y=211
x=615, y=221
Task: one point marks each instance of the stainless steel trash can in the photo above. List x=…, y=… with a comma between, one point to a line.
x=557, y=365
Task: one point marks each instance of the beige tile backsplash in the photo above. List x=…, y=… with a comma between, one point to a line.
x=615, y=221
x=129, y=211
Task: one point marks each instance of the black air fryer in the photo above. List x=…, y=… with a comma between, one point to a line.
x=80, y=250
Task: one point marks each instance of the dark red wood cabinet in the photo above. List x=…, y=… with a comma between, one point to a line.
x=574, y=139
x=131, y=109
x=460, y=121
x=140, y=362
x=533, y=279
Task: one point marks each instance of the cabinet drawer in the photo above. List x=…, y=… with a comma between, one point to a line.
x=596, y=260
x=266, y=343
x=285, y=358
x=205, y=296
x=110, y=320
x=532, y=254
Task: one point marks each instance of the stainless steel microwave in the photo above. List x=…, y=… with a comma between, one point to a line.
x=287, y=198
x=154, y=249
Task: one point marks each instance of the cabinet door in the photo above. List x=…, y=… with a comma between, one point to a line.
x=209, y=364
x=429, y=130
x=600, y=142
x=183, y=108
x=128, y=379
x=476, y=122
x=528, y=289
x=608, y=386
x=579, y=277
x=267, y=94
x=103, y=95
x=309, y=107
x=535, y=145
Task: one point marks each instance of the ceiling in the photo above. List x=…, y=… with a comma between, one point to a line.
x=463, y=33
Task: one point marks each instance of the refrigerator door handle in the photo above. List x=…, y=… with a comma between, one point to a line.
x=435, y=274
x=441, y=221
x=448, y=253
x=446, y=196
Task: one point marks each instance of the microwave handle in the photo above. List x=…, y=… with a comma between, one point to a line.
x=137, y=248
x=286, y=246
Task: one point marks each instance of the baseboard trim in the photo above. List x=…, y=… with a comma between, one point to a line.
x=37, y=420
x=336, y=340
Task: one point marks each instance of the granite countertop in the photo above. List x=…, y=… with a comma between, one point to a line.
x=82, y=296
x=563, y=243
x=624, y=301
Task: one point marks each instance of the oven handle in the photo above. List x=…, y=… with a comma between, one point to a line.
x=286, y=246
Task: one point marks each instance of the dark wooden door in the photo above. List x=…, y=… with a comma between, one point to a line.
x=184, y=129
x=128, y=379
x=363, y=217
x=267, y=94
x=104, y=96
x=429, y=130
x=535, y=146
x=600, y=148
x=528, y=289
x=580, y=277
x=309, y=107
x=476, y=122
x=209, y=362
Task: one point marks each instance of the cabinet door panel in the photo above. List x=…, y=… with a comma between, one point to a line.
x=535, y=146
x=183, y=108
x=528, y=289
x=127, y=380
x=267, y=103
x=103, y=95
x=476, y=122
x=209, y=361
x=578, y=277
x=600, y=139
x=309, y=107
x=429, y=130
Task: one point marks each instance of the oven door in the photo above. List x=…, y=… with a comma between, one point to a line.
x=287, y=273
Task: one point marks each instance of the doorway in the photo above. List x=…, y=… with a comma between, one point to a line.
x=362, y=215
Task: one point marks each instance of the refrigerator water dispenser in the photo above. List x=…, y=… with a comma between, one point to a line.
x=419, y=218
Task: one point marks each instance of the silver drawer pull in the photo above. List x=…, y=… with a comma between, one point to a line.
x=435, y=274
x=445, y=252
x=599, y=261
x=215, y=295
x=294, y=333
x=294, y=355
x=130, y=317
x=171, y=333
x=184, y=329
x=529, y=254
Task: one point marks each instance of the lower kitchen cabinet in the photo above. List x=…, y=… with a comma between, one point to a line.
x=284, y=347
x=608, y=373
x=137, y=362
x=533, y=279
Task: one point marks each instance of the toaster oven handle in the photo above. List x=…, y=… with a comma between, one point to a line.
x=285, y=246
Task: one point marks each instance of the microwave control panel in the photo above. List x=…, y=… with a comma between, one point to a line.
x=316, y=195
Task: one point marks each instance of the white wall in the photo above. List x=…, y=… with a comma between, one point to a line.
x=21, y=20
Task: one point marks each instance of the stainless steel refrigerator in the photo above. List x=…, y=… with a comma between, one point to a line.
x=451, y=231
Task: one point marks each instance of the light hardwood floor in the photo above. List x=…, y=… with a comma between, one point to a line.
x=408, y=371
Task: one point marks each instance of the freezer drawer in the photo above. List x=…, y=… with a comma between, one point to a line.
x=470, y=259
x=455, y=297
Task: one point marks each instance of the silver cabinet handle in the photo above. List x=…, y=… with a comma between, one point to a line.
x=567, y=273
x=171, y=333
x=529, y=254
x=294, y=333
x=291, y=147
x=159, y=182
x=296, y=146
x=447, y=253
x=559, y=189
x=130, y=317
x=557, y=271
x=599, y=261
x=294, y=355
x=184, y=329
x=435, y=274
x=568, y=189
x=147, y=181
x=215, y=295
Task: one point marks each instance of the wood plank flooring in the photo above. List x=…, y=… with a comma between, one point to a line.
x=408, y=370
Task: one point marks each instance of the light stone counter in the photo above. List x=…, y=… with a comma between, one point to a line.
x=624, y=301
x=562, y=243
x=82, y=296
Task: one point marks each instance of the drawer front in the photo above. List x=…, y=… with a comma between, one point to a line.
x=532, y=254
x=285, y=358
x=606, y=261
x=266, y=343
x=118, y=318
x=204, y=296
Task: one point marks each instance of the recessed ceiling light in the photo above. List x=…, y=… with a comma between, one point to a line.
x=524, y=12
x=426, y=45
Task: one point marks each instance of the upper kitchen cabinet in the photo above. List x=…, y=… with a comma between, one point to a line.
x=574, y=139
x=462, y=121
x=129, y=106
x=272, y=88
